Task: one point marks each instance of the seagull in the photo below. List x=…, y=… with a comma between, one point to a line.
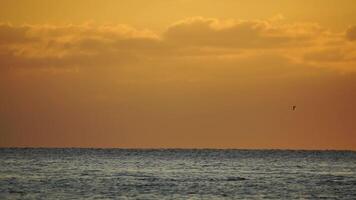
x=294, y=107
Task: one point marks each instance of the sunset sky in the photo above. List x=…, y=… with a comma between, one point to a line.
x=178, y=74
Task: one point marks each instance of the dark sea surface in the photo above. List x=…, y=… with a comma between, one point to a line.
x=176, y=174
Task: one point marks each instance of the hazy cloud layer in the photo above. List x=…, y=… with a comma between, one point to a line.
x=351, y=33
x=113, y=45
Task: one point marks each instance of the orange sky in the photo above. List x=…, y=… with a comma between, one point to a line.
x=178, y=74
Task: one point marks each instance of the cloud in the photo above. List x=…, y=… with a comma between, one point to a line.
x=351, y=33
x=13, y=34
x=190, y=40
x=200, y=31
x=332, y=55
x=72, y=45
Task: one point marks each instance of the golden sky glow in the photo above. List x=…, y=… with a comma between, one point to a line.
x=178, y=74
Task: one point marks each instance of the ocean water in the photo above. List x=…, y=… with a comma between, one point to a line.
x=176, y=174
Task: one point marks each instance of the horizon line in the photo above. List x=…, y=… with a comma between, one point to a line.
x=177, y=148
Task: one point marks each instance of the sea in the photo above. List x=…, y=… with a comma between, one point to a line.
x=75, y=173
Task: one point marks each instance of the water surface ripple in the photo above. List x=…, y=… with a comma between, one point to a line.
x=176, y=174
